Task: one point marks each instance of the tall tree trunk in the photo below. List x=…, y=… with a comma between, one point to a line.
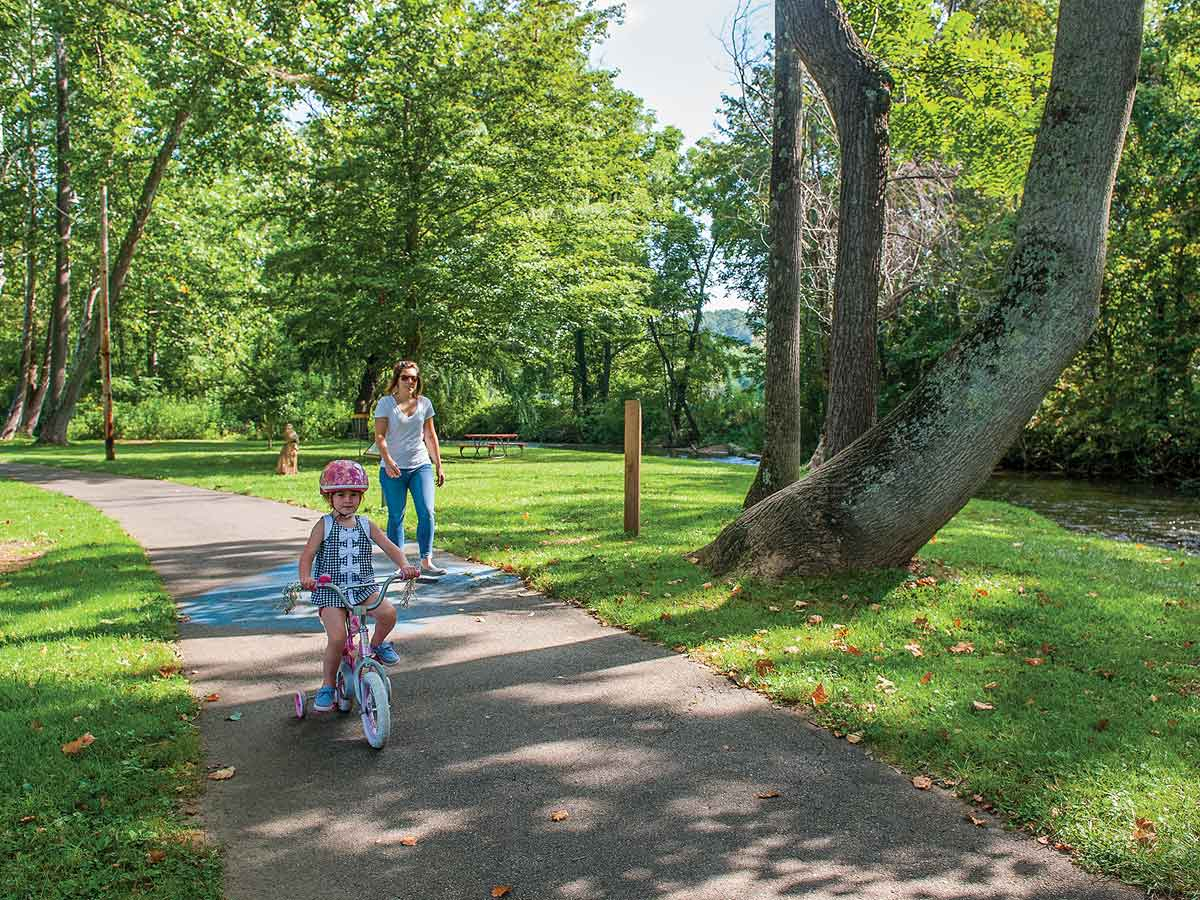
x=783, y=438
x=83, y=365
x=581, y=396
x=60, y=314
x=882, y=498
x=364, y=401
x=41, y=387
x=859, y=94
x=27, y=374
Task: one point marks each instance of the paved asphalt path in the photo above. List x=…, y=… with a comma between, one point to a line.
x=508, y=706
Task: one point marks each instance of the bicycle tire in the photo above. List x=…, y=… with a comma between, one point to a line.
x=376, y=714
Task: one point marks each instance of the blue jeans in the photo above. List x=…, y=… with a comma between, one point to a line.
x=395, y=495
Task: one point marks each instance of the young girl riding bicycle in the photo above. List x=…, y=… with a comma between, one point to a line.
x=341, y=545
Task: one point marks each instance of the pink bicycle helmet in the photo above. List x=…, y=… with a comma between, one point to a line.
x=343, y=475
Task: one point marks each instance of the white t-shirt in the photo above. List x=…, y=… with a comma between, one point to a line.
x=406, y=434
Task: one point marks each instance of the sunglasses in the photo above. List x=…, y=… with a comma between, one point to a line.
x=408, y=377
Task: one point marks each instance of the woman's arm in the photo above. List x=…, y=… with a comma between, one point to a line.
x=306, y=555
x=381, y=430
x=435, y=451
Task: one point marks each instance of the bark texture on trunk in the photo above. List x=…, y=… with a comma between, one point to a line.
x=859, y=93
x=882, y=498
x=783, y=438
x=60, y=313
x=83, y=365
x=41, y=386
x=27, y=374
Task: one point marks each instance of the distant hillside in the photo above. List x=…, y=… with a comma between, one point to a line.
x=729, y=322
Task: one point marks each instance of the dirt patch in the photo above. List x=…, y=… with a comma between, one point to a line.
x=16, y=555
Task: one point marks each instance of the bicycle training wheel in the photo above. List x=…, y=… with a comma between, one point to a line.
x=376, y=716
x=298, y=704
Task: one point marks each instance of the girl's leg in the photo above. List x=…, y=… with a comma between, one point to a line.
x=395, y=493
x=421, y=486
x=334, y=620
x=385, y=620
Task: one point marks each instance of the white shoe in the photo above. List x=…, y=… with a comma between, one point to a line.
x=428, y=568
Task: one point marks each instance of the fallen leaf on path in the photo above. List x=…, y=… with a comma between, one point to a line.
x=212, y=698
x=234, y=717
x=558, y=815
x=767, y=795
x=854, y=738
x=409, y=840
x=222, y=774
x=71, y=748
x=922, y=782
x=501, y=890
x=819, y=696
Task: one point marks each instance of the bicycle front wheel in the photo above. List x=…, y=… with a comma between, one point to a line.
x=376, y=716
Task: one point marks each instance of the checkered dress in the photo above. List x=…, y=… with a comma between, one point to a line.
x=345, y=556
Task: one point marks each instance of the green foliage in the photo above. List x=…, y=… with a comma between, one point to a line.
x=1130, y=403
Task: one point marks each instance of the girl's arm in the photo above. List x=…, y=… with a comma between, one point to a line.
x=435, y=451
x=381, y=430
x=395, y=554
x=307, y=554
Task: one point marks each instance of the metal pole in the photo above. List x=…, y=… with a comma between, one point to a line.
x=110, y=451
x=633, y=466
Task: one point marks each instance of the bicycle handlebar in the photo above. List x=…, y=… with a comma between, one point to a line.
x=327, y=581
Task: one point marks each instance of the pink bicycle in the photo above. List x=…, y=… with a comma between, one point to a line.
x=360, y=677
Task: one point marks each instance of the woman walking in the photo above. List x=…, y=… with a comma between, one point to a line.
x=411, y=458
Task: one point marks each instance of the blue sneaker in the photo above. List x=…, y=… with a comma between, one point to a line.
x=385, y=653
x=324, y=699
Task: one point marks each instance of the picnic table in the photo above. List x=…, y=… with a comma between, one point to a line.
x=496, y=444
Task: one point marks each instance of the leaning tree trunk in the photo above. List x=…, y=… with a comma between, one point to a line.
x=27, y=375
x=882, y=498
x=41, y=386
x=859, y=94
x=783, y=437
x=58, y=416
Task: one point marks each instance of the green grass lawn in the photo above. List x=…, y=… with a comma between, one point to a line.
x=1048, y=676
x=85, y=631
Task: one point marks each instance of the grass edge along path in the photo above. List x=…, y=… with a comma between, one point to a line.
x=1048, y=677
x=98, y=754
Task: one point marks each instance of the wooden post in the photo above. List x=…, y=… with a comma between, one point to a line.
x=633, y=466
x=110, y=451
